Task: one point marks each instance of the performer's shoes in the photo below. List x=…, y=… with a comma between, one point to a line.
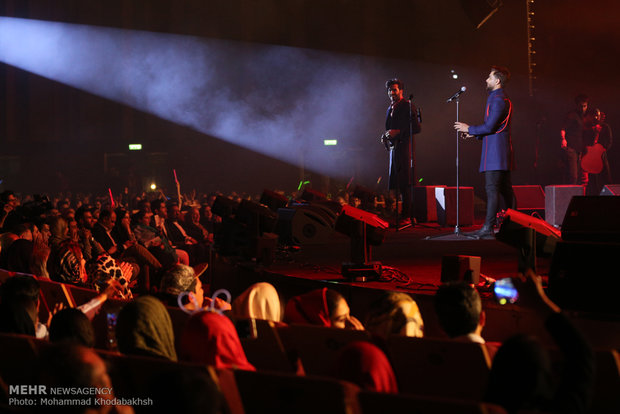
x=484, y=233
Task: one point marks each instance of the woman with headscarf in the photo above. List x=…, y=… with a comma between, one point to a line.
x=65, y=263
x=364, y=364
x=144, y=327
x=211, y=339
x=395, y=313
x=259, y=301
x=322, y=307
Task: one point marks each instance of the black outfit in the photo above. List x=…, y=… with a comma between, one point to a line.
x=401, y=175
x=573, y=127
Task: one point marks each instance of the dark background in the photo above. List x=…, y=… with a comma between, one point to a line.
x=54, y=137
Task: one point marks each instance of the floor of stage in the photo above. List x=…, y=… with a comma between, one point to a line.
x=415, y=251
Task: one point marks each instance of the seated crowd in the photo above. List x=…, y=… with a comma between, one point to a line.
x=151, y=254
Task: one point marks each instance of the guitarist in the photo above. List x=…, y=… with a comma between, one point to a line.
x=398, y=138
x=594, y=164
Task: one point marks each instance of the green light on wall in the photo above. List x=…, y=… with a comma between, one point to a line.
x=135, y=147
x=327, y=142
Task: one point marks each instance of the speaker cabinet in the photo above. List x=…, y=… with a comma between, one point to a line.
x=445, y=198
x=557, y=198
x=530, y=199
x=466, y=268
x=592, y=218
x=584, y=276
x=611, y=190
x=425, y=205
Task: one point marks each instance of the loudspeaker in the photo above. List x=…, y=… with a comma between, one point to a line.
x=425, y=206
x=312, y=195
x=273, y=200
x=530, y=199
x=585, y=276
x=466, y=268
x=592, y=218
x=611, y=190
x=305, y=224
x=365, y=230
x=445, y=198
x=546, y=235
x=557, y=198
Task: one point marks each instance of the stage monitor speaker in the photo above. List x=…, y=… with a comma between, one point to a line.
x=273, y=200
x=532, y=237
x=258, y=218
x=479, y=11
x=445, y=198
x=305, y=224
x=365, y=230
x=584, y=276
x=425, y=205
x=592, y=218
x=611, y=190
x=557, y=198
x=312, y=195
x=465, y=268
x=530, y=199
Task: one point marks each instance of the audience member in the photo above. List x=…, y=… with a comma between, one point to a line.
x=19, y=306
x=71, y=325
x=459, y=310
x=259, y=301
x=395, y=313
x=65, y=263
x=74, y=367
x=520, y=377
x=323, y=307
x=143, y=327
x=210, y=338
x=177, y=280
x=365, y=365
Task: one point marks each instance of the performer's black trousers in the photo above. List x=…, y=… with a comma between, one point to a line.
x=498, y=184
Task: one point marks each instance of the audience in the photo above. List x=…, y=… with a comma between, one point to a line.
x=143, y=327
x=521, y=377
x=459, y=310
x=210, y=338
x=259, y=301
x=181, y=279
x=71, y=325
x=365, y=365
x=19, y=306
x=395, y=313
x=323, y=307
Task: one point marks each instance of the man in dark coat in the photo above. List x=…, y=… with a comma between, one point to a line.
x=400, y=123
x=497, y=159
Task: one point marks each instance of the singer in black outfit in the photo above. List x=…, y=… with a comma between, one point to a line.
x=400, y=123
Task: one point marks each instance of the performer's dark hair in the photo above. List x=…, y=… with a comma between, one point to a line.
x=502, y=73
x=395, y=81
x=581, y=98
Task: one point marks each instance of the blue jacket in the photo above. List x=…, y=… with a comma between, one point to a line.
x=495, y=133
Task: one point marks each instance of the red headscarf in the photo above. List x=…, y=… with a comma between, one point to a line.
x=309, y=308
x=364, y=364
x=210, y=338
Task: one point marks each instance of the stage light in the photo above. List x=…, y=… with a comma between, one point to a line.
x=135, y=147
x=153, y=187
x=238, y=92
x=454, y=74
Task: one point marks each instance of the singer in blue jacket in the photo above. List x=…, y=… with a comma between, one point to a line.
x=497, y=159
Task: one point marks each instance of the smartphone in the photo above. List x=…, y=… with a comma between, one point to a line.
x=505, y=292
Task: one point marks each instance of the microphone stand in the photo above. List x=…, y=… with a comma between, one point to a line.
x=456, y=235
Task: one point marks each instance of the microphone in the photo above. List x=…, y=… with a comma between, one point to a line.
x=456, y=95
